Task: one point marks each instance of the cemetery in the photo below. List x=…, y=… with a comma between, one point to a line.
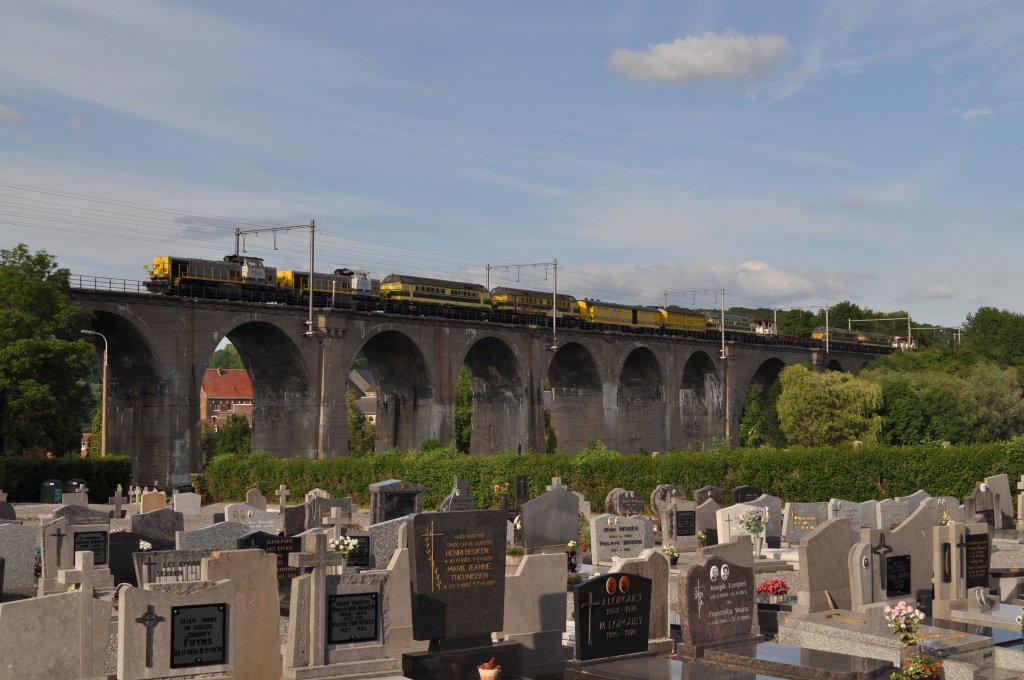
x=709, y=582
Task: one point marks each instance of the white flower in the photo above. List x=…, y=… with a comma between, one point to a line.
x=984, y=487
x=344, y=544
x=145, y=546
x=518, y=522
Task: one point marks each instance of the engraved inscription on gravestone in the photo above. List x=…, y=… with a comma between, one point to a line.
x=95, y=542
x=897, y=575
x=612, y=615
x=352, y=618
x=977, y=553
x=458, y=581
x=360, y=555
x=280, y=546
x=686, y=523
x=199, y=635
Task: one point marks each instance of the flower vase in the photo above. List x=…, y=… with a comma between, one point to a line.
x=758, y=540
x=672, y=560
x=571, y=554
x=489, y=673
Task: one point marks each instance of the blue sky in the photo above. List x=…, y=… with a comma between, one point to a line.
x=796, y=153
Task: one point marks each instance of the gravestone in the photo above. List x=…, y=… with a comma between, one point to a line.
x=707, y=520
x=317, y=509
x=152, y=500
x=398, y=596
x=838, y=508
x=679, y=525
x=727, y=521
x=361, y=554
x=521, y=492
x=294, y=519
x=550, y=521
x=169, y=566
x=176, y=629
x=890, y=512
x=252, y=517
x=79, y=514
x=394, y=498
x=352, y=635
x=981, y=502
x=716, y=605
x=187, y=503
x=258, y=649
x=999, y=485
x=824, y=569
x=385, y=539
x=123, y=545
x=63, y=635
x=624, y=503
x=651, y=564
x=458, y=594
x=913, y=500
x=220, y=536
x=662, y=496
x=75, y=498
x=118, y=500
x=278, y=546
x=535, y=602
x=800, y=519
x=746, y=493
x=705, y=492
x=612, y=614
x=869, y=515
x=17, y=548
x=614, y=536
x=961, y=556
x=461, y=497
x=256, y=499
x=945, y=507
x=158, y=526
x=316, y=493
x=60, y=542
x=888, y=566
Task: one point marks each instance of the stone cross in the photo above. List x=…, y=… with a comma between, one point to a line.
x=283, y=493
x=556, y=483
x=83, y=575
x=335, y=522
x=118, y=500
x=149, y=620
x=319, y=559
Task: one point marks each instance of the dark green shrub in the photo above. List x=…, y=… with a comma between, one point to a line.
x=21, y=476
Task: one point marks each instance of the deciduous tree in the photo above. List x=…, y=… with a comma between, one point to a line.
x=817, y=409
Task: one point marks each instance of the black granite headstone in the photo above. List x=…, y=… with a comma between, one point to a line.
x=897, y=575
x=95, y=542
x=360, y=555
x=745, y=494
x=123, y=544
x=280, y=546
x=199, y=635
x=686, y=523
x=461, y=497
x=716, y=493
x=521, y=492
x=352, y=618
x=458, y=574
x=394, y=498
x=612, y=614
x=977, y=553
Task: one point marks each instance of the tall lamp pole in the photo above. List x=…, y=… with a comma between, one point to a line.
x=103, y=406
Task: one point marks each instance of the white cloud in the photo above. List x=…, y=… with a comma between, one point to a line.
x=707, y=57
x=762, y=279
x=971, y=115
x=939, y=291
x=9, y=115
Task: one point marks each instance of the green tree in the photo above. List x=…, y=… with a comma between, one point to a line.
x=234, y=435
x=463, y=411
x=797, y=323
x=207, y=441
x=818, y=409
x=226, y=357
x=996, y=334
x=361, y=433
x=904, y=417
x=96, y=434
x=45, y=362
x=752, y=431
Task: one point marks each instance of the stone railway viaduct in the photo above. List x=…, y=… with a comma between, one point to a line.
x=633, y=392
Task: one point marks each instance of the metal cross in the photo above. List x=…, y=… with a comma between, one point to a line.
x=589, y=606
x=59, y=535
x=882, y=550
x=960, y=545
x=149, y=620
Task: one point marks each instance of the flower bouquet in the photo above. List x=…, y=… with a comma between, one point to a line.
x=774, y=589
x=905, y=622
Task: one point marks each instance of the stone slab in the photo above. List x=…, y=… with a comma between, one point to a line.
x=613, y=535
x=18, y=548
x=792, y=661
x=220, y=536
x=158, y=526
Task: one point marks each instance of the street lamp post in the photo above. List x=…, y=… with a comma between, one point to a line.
x=103, y=406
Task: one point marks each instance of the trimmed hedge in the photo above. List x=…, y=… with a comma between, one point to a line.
x=795, y=474
x=21, y=476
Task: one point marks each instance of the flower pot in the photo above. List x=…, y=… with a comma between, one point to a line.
x=672, y=560
x=489, y=673
x=571, y=554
